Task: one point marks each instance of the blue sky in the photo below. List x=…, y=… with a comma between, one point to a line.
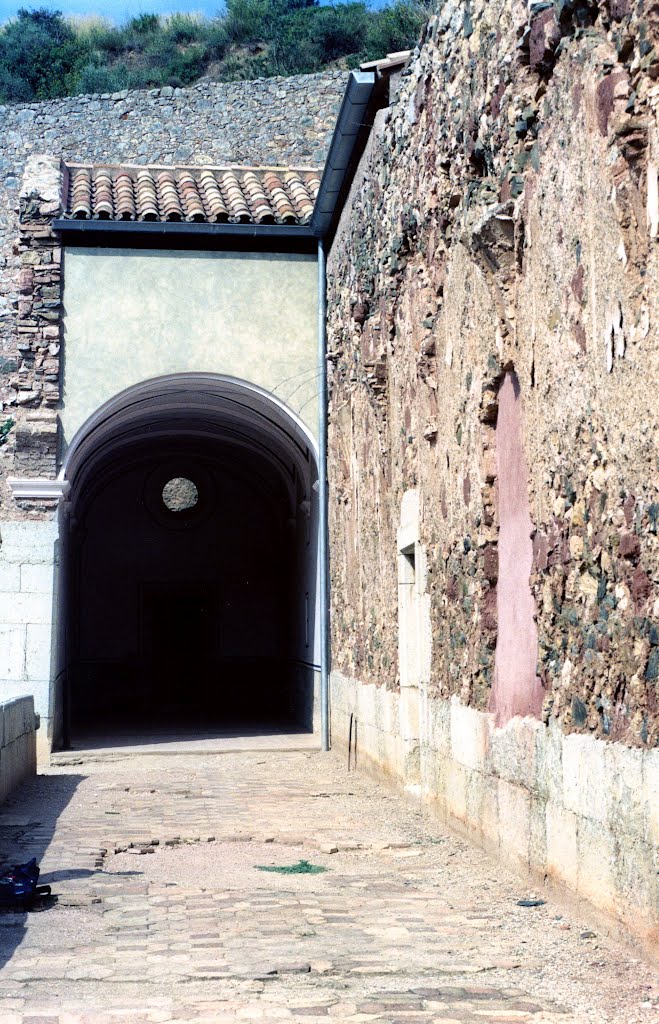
x=117, y=10
x=120, y=10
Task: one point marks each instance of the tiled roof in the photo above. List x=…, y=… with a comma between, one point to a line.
x=250, y=195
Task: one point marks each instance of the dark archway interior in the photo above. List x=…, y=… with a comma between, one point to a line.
x=196, y=616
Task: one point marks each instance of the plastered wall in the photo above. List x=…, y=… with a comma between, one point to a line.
x=135, y=314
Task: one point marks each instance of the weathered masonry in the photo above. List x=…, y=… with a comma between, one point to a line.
x=490, y=221
x=493, y=319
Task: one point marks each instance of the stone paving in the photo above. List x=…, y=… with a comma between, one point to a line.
x=162, y=914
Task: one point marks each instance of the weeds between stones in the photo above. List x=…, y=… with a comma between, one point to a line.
x=303, y=867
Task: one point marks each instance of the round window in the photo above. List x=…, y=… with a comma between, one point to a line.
x=180, y=494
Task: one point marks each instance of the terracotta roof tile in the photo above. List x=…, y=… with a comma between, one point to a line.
x=250, y=195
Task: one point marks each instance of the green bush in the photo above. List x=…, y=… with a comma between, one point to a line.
x=144, y=24
x=100, y=79
x=248, y=20
x=44, y=55
x=393, y=28
x=42, y=51
x=184, y=28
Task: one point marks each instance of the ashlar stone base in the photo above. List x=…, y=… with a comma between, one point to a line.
x=573, y=809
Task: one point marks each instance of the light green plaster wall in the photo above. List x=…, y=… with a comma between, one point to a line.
x=131, y=315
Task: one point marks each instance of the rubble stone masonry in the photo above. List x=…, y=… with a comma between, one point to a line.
x=503, y=227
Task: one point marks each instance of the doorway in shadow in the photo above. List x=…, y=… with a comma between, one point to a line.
x=190, y=579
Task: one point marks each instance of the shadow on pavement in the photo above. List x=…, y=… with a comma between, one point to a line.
x=27, y=823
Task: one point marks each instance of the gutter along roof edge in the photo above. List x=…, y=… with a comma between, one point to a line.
x=351, y=124
x=180, y=228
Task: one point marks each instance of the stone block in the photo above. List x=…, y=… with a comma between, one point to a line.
x=596, y=855
x=586, y=779
x=37, y=579
x=627, y=811
x=388, y=712
x=514, y=821
x=12, y=652
x=433, y=773
x=469, y=736
x=549, y=762
x=513, y=749
x=24, y=608
x=412, y=767
x=438, y=719
x=10, y=577
x=409, y=713
x=392, y=756
x=18, y=718
x=456, y=790
x=571, y=761
x=490, y=813
x=30, y=542
x=38, y=651
x=635, y=879
x=538, y=834
x=651, y=795
x=594, y=781
x=474, y=799
x=365, y=710
x=561, y=833
x=18, y=746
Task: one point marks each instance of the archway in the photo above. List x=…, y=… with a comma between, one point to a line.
x=190, y=555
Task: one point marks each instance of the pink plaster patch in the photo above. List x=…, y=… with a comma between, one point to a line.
x=517, y=689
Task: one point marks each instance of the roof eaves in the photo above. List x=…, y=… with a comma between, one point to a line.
x=116, y=228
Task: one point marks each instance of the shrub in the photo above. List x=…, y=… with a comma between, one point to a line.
x=144, y=24
x=395, y=27
x=185, y=28
x=41, y=49
x=43, y=55
x=248, y=20
x=13, y=88
x=93, y=78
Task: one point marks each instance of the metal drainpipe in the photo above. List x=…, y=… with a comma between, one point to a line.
x=322, y=501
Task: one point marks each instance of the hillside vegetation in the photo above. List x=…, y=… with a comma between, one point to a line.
x=45, y=55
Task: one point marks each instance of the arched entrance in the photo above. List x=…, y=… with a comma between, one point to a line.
x=190, y=555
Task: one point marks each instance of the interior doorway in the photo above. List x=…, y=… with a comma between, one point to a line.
x=190, y=549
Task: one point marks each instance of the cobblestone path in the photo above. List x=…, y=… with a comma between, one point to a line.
x=163, y=915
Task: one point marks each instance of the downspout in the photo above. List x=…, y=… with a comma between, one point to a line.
x=352, y=129
x=325, y=649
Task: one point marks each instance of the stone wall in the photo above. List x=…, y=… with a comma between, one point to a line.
x=18, y=751
x=28, y=578
x=503, y=228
